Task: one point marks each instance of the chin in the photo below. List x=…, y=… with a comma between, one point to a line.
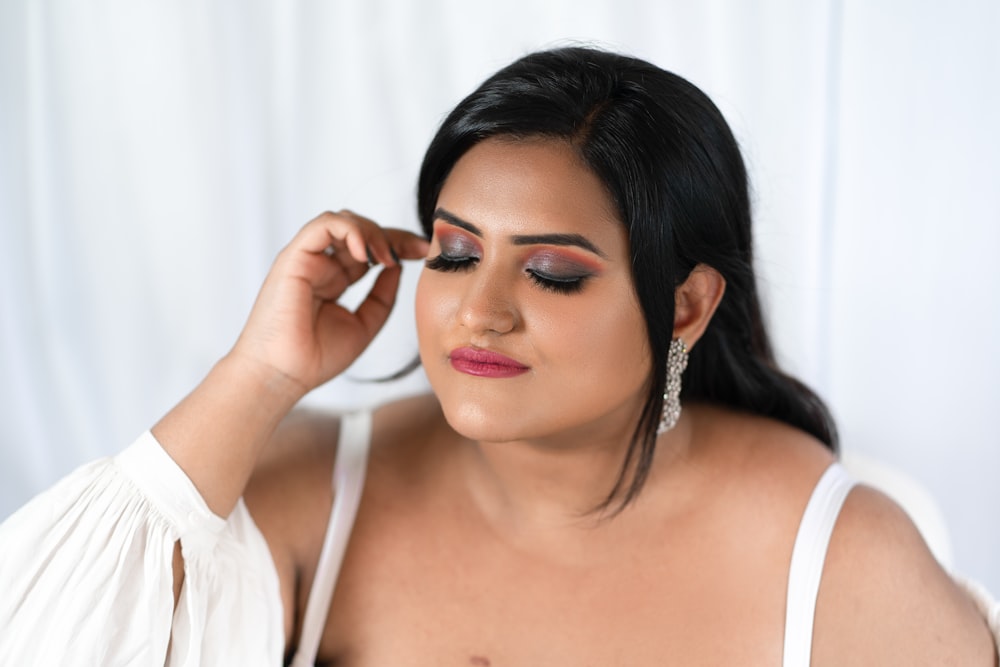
x=473, y=420
x=486, y=419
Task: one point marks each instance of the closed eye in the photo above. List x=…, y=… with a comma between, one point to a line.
x=445, y=263
x=560, y=284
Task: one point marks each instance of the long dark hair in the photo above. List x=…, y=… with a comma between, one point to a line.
x=675, y=173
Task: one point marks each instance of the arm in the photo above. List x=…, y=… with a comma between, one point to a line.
x=884, y=600
x=85, y=566
x=296, y=338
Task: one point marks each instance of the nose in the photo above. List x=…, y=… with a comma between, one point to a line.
x=488, y=305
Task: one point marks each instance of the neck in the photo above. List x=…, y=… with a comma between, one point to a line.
x=551, y=486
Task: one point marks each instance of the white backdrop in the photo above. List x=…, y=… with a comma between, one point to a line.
x=155, y=156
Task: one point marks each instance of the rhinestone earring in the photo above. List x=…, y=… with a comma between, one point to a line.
x=677, y=361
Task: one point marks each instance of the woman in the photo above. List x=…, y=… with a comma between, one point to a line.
x=610, y=469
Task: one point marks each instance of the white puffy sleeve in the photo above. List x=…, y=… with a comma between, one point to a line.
x=86, y=573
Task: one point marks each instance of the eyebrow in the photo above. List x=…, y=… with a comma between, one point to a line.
x=524, y=239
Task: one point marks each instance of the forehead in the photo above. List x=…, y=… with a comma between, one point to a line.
x=530, y=186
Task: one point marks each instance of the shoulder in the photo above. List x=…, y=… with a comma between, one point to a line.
x=291, y=490
x=290, y=494
x=884, y=599
x=770, y=462
x=299, y=457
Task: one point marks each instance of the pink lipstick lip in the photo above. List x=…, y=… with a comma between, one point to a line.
x=484, y=363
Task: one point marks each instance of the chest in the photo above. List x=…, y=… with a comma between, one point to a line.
x=414, y=593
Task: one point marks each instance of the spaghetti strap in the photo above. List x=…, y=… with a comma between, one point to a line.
x=808, y=557
x=348, y=483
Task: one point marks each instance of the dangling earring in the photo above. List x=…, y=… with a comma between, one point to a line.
x=677, y=361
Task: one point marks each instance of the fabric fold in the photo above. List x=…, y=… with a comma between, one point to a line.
x=86, y=570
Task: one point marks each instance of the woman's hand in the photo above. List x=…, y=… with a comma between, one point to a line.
x=296, y=329
x=296, y=338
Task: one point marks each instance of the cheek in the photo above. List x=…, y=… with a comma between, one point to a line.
x=432, y=306
x=420, y=308
x=613, y=341
x=609, y=324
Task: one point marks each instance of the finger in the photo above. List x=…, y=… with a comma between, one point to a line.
x=367, y=243
x=378, y=246
x=407, y=245
x=361, y=239
x=332, y=234
x=332, y=281
x=387, y=245
x=327, y=275
x=351, y=267
x=375, y=309
x=381, y=249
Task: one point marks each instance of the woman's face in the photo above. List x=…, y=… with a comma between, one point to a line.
x=528, y=323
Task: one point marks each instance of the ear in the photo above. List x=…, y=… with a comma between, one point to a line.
x=695, y=302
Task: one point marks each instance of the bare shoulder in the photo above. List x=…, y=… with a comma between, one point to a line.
x=290, y=494
x=761, y=457
x=884, y=599
x=290, y=491
x=291, y=486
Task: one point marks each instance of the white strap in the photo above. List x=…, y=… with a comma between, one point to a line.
x=808, y=556
x=348, y=483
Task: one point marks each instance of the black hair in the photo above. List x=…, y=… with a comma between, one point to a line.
x=674, y=172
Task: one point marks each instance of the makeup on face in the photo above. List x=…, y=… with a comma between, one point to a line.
x=552, y=261
x=456, y=250
x=559, y=270
x=485, y=363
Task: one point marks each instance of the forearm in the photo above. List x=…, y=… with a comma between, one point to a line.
x=217, y=432
x=297, y=337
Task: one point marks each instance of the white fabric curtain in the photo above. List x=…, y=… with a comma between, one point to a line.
x=155, y=156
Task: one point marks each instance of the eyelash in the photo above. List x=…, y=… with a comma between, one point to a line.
x=560, y=286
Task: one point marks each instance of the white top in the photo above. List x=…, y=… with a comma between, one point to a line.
x=808, y=556
x=348, y=483
x=86, y=573
x=86, y=568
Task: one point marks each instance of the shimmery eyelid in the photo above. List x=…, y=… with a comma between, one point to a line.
x=561, y=264
x=455, y=241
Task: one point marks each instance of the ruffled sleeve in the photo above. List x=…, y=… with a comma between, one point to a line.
x=86, y=573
